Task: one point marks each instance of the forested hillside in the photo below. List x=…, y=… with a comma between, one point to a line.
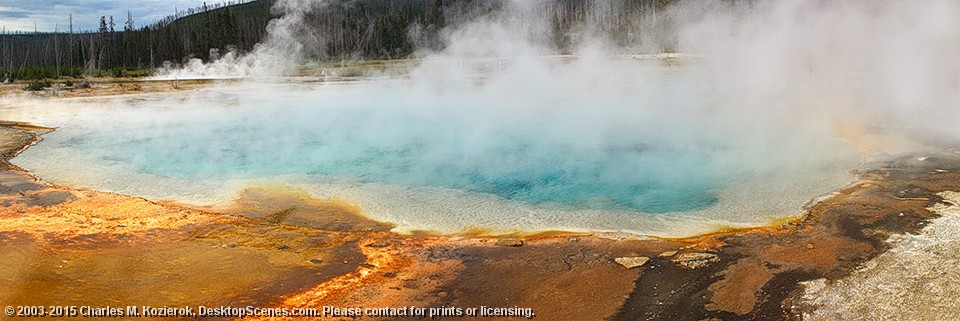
x=351, y=29
x=114, y=50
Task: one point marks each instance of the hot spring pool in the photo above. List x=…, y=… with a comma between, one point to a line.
x=654, y=161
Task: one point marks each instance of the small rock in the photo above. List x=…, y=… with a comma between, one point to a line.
x=695, y=260
x=574, y=239
x=668, y=254
x=442, y=294
x=510, y=242
x=632, y=261
x=316, y=261
x=809, y=246
x=390, y=274
x=368, y=266
x=232, y=245
x=282, y=247
x=378, y=244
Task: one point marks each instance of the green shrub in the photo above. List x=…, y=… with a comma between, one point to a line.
x=37, y=85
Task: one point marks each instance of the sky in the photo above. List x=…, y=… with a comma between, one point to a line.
x=20, y=15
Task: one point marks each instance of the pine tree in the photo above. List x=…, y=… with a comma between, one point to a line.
x=101, y=51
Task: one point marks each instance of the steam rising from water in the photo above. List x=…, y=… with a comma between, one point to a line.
x=488, y=132
x=855, y=64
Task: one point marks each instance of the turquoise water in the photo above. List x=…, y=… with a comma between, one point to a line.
x=657, y=157
x=658, y=147
x=628, y=176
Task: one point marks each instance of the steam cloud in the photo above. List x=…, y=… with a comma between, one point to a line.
x=287, y=42
x=858, y=64
x=769, y=103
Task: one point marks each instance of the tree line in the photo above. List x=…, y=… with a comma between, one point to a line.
x=351, y=29
x=113, y=51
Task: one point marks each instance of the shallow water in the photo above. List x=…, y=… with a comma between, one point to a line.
x=649, y=157
x=514, y=166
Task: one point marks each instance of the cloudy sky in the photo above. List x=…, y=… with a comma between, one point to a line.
x=21, y=14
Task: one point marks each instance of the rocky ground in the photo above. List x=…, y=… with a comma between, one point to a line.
x=275, y=248
x=97, y=87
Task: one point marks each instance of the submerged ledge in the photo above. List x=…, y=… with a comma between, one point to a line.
x=830, y=241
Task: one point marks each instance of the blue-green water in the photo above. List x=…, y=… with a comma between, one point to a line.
x=563, y=147
x=648, y=157
x=634, y=177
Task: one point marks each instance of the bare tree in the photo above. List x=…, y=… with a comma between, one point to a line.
x=129, y=24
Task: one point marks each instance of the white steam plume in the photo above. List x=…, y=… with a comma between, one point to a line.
x=288, y=41
x=759, y=107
